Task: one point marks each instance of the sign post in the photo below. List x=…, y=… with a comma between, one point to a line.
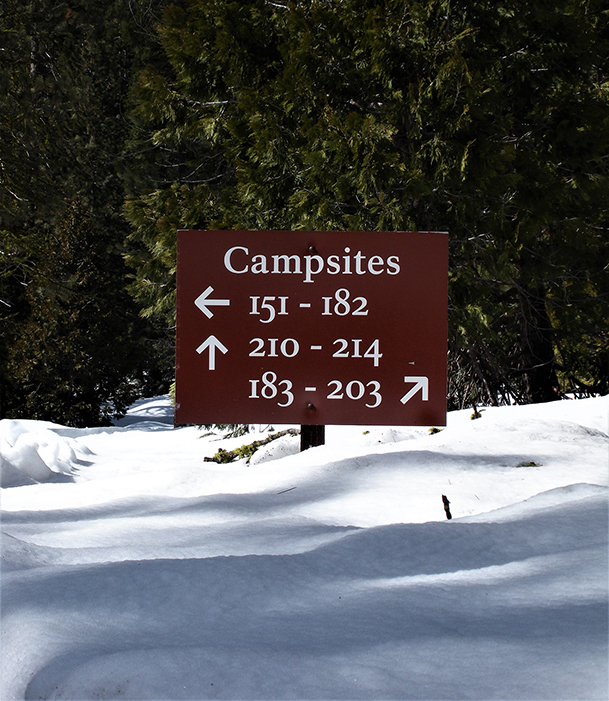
x=313, y=328
x=311, y=436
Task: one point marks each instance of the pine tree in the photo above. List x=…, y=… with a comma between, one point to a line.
x=73, y=348
x=486, y=121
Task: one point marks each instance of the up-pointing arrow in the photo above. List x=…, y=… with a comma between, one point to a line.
x=203, y=303
x=212, y=343
x=421, y=382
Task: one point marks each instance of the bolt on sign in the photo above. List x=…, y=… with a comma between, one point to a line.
x=311, y=327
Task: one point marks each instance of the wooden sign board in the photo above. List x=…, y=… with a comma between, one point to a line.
x=311, y=327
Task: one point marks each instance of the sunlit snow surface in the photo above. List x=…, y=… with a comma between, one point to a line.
x=133, y=569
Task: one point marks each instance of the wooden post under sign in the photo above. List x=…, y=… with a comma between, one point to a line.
x=311, y=436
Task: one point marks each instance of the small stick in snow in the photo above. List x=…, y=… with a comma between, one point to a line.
x=446, y=507
x=286, y=490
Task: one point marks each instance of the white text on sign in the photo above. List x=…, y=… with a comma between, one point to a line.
x=237, y=260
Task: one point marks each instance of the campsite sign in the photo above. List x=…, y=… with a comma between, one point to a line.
x=311, y=327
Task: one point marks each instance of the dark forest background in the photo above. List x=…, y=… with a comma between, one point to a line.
x=122, y=121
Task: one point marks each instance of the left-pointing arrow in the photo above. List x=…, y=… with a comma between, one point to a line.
x=203, y=303
x=212, y=343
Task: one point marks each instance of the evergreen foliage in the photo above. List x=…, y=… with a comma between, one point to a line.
x=73, y=348
x=491, y=122
x=122, y=122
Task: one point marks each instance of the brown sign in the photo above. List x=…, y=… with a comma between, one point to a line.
x=311, y=327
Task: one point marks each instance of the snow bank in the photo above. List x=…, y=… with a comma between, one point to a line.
x=31, y=452
x=279, y=448
x=153, y=410
x=328, y=574
x=505, y=609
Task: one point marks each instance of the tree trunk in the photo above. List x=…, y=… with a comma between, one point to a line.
x=537, y=347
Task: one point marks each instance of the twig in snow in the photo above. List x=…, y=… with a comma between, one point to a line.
x=446, y=507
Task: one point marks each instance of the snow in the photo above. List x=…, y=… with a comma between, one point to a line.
x=134, y=569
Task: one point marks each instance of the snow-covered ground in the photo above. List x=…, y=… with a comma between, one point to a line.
x=134, y=569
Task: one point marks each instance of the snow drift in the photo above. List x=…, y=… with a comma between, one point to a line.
x=31, y=452
x=329, y=574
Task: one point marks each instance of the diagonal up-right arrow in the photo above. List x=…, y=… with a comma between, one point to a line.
x=421, y=382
